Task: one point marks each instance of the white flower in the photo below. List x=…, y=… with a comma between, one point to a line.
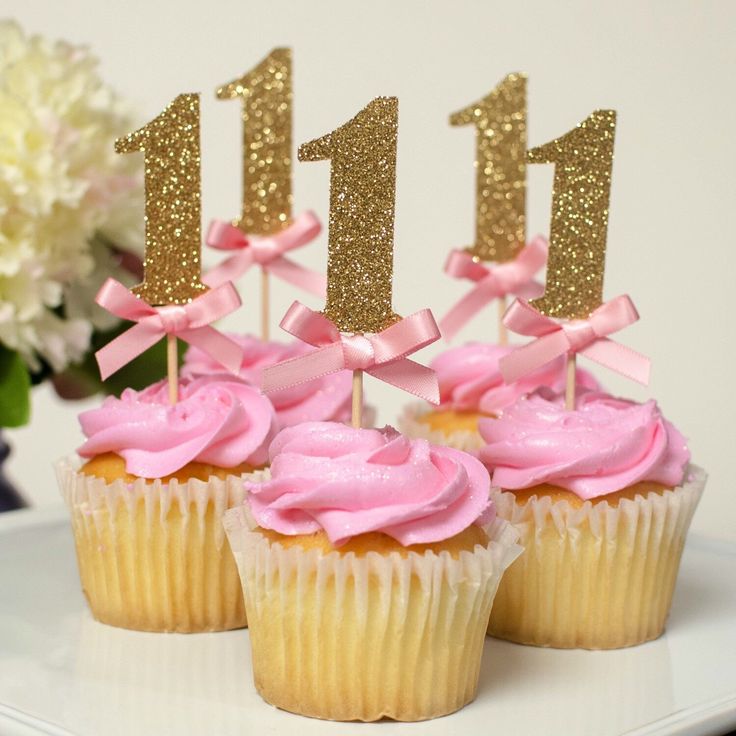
x=61, y=185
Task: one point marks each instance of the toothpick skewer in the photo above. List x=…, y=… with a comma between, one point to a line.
x=503, y=335
x=570, y=387
x=265, y=305
x=172, y=364
x=357, y=399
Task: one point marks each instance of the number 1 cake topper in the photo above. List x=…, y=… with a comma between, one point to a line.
x=500, y=169
x=172, y=301
x=266, y=97
x=583, y=160
x=265, y=230
x=171, y=154
x=500, y=208
x=362, y=155
x=358, y=329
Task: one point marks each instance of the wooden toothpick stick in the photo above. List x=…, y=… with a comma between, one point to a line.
x=357, y=399
x=172, y=364
x=570, y=386
x=503, y=335
x=265, y=306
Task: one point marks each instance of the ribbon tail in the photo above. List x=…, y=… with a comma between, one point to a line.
x=218, y=346
x=303, y=368
x=230, y=269
x=410, y=376
x=530, y=290
x=619, y=358
x=224, y=235
x=309, y=326
x=299, y=276
x=477, y=298
x=529, y=357
x=126, y=347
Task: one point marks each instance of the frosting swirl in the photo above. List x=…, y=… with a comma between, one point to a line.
x=325, y=399
x=348, y=481
x=470, y=378
x=605, y=445
x=217, y=420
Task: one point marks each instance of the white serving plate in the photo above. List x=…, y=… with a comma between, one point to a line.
x=63, y=673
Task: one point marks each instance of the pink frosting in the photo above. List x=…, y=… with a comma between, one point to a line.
x=218, y=420
x=470, y=379
x=604, y=445
x=325, y=399
x=347, y=481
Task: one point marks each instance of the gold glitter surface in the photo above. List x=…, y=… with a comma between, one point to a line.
x=170, y=143
x=583, y=160
x=500, y=144
x=266, y=95
x=361, y=236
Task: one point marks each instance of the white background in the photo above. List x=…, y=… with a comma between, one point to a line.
x=667, y=67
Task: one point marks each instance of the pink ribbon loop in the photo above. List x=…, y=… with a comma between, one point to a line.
x=589, y=337
x=190, y=322
x=267, y=252
x=512, y=277
x=382, y=355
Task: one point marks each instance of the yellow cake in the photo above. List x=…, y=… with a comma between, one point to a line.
x=450, y=421
x=599, y=566
x=366, y=599
x=150, y=544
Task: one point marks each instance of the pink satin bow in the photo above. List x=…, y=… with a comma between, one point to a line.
x=585, y=336
x=267, y=251
x=512, y=277
x=383, y=355
x=190, y=322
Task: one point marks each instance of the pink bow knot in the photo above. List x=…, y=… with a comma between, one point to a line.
x=174, y=318
x=265, y=249
x=511, y=277
x=579, y=334
x=382, y=355
x=189, y=322
x=588, y=337
x=266, y=252
x=359, y=353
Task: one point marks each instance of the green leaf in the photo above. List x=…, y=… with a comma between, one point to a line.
x=15, y=390
x=141, y=372
x=83, y=380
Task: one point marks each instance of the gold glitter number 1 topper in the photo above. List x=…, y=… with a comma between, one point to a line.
x=583, y=160
x=500, y=178
x=362, y=157
x=171, y=149
x=266, y=95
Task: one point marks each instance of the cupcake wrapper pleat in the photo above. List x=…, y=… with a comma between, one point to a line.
x=343, y=637
x=409, y=425
x=153, y=556
x=594, y=577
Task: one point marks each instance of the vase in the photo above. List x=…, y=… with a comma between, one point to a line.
x=10, y=499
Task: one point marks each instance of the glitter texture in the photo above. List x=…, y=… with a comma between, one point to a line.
x=583, y=161
x=266, y=95
x=170, y=143
x=361, y=237
x=500, y=144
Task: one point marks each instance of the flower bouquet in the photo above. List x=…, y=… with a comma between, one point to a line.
x=69, y=218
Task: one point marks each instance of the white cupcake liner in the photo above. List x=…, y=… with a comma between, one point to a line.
x=597, y=576
x=152, y=555
x=347, y=637
x=409, y=425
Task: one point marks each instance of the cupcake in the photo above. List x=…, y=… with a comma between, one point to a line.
x=148, y=496
x=369, y=564
x=602, y=497
x=325, y=399
x=472, y=388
